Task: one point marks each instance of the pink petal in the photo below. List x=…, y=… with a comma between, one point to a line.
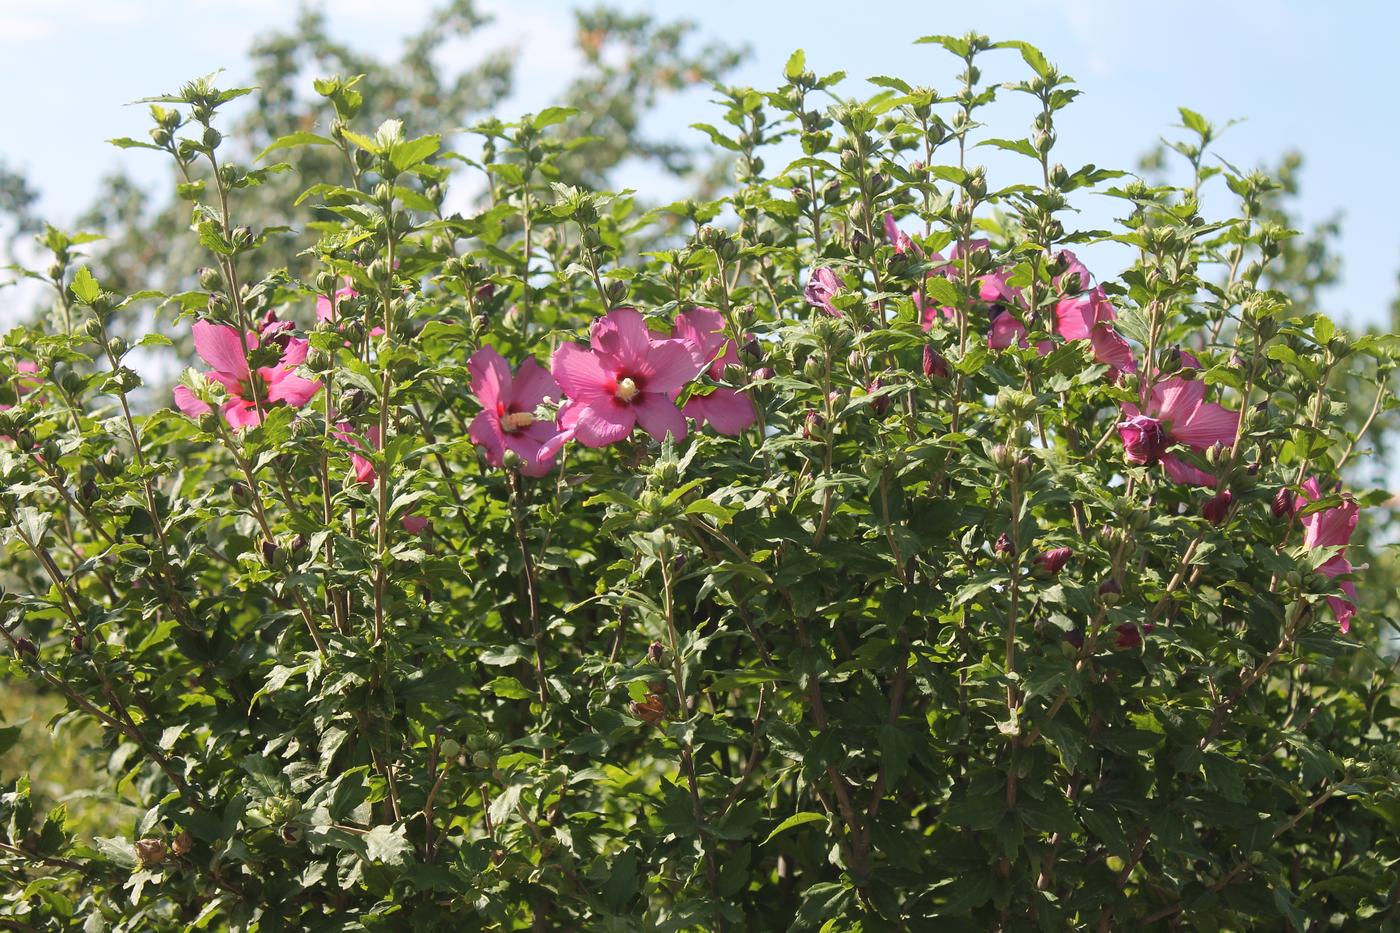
x=186, y=401
x=668, y=366
x=220, y=346
x=1111, y=349
x=241, y=414
x=490, y=376
x=295, y=354
x=1005, y=331
x=603, y=421
x=531, y=386
x=1182, y=472
x=292, y=389
x=658, y=416
x=728, y=411
x=415, y=524
x=622, y=333
x=1207, y=425
x=580, y=374
x=1176, y=399
x=486, y=431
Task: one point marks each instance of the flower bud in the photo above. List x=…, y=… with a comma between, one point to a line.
x=813, y=424
x=1003, y=457
x=1217, y=507
x=881, y=405
x=482, y=759
x=1109, y=591
x=77, y=643
x=94, y=328
x=290, y=833
x=1004, y=545
x=1050, y=563
x=655, y=652
x=510, y=459
x=1283, y=504
x=451, y=748
x=763, y=374
x=212, y=138
x=25, y=647
x=209, y=279
x=182, y=843
x=935, y=366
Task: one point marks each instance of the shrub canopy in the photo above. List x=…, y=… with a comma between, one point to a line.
x=842, y=551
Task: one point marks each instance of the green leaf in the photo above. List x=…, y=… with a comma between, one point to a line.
x=85, y=287
x=292, y=140
x=796, y=64
x=387, y=844
x=797, y=819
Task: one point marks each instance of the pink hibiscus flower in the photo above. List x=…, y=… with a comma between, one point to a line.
x=627, y=376
x=507, y=420
x=728, y=410
x=220, y=346
x=1331, y=528
x=1177, y=413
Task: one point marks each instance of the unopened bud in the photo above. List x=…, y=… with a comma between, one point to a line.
x=1217, y=507
x=935, y=366
x=1004, y=545
x=1283, y=504
x=182, y=843
x=1109, y=591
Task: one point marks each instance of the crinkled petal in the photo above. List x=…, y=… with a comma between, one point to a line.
x=292, y=389
x=1176, y=399
x=1111, y=349
x=241, y=414
x=622, y=333
x=295, y=354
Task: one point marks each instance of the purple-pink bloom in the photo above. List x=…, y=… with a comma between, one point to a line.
x=1177, y=413
x=1331, y=527
x=221, y=347
x=728, y=410
x=822, y=287
x=507, y=420
x=627, y=376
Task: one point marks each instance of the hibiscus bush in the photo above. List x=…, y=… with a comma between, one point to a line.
x=873, y=546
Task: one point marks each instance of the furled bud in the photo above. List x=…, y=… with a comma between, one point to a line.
x=1109, y=591
x=1217, y=507
x=880, y=405
x=1004, y=545
x=935, y=366
x=1050, y=563
x=1283, y=504
x=655, y=652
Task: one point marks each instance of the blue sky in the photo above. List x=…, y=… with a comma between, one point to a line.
x=1316, y=77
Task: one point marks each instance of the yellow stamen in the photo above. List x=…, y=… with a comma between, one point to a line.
x=517, y=421
x=626, y=389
